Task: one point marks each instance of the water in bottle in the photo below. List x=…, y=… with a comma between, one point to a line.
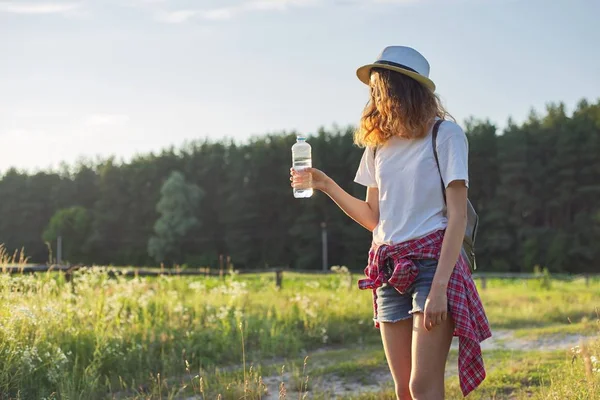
x=301, y=158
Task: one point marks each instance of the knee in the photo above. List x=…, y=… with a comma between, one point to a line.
x=403, y=392
x=425, y=389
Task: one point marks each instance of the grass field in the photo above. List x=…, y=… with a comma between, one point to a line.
x=97, y=337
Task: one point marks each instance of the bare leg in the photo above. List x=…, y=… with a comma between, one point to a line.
x=396, y=337
x=429, y=354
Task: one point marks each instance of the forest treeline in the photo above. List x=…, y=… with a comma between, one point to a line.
x=535, y=185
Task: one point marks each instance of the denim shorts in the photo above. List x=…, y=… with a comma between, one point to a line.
x=393, y=306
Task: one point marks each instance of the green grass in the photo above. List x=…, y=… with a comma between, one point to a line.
x=512, y=373
x=585, y=327
x=578, y=377
x=95, y=335
x=524, y=304
x=528, y=375
x=133, y=336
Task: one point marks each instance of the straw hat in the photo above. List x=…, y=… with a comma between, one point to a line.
x=404, y=60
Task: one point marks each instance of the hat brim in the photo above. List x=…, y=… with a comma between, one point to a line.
x=364, y=74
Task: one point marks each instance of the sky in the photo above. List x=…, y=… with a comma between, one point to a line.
x=84, y=79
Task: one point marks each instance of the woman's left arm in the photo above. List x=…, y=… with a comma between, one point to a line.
x=436, y=306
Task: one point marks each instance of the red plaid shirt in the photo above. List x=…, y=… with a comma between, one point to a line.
x=471, y=324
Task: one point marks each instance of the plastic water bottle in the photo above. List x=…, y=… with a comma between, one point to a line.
x=302, y=158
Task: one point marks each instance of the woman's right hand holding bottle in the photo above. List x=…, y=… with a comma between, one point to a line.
x=309, y=178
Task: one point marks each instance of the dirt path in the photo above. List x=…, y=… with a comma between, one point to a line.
x=505, y=339
x=338, y=387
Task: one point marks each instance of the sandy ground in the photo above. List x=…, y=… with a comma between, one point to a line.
x=338, y=387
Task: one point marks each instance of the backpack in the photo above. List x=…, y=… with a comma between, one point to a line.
x=468, y=245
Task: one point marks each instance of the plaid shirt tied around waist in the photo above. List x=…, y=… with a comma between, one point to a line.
x=464, y=305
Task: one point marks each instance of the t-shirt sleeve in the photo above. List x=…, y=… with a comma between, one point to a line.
x=366, y=169
x=453, y=153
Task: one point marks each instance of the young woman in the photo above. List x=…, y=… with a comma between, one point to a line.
x=422, y=287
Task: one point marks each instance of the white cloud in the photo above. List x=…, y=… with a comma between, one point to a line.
x=37, y=8
x=106, y=119
x=398, y=1
x=176, y=17
x=162, y=13
x=279, y=4
x=181, y=16
x=36, y=113
x=13, y=136
x=221, y=14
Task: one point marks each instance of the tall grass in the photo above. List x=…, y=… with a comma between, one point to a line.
x=94, y=335
x=15, y=259
x=152, y=337
x=578, y=377
x=531, y=303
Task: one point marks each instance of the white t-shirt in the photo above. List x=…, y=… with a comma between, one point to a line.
x=411, y=202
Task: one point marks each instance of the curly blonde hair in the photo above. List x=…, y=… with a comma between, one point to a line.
x=398, y=106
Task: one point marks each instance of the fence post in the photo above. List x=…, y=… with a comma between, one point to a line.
x=69, y=278
x=59, y=250
x=483, y=282
x=278, y=278
x=324, y=246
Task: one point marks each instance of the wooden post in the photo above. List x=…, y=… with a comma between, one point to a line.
x=59, y=250
x=69, y=278
x=324, y=246
x=279, y=278
x=483, y=282
x=220, y=265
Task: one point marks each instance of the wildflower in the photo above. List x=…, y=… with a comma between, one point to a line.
x=340, y=269
x=238, y=314
x=223, y=312
x=57, y=362
x=197, y=286
x=179, y=308
x=233, y=289
x=325, y=337
x=172, y=294
x=311, y=312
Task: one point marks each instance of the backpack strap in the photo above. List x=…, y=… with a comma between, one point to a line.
x=434, y=134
